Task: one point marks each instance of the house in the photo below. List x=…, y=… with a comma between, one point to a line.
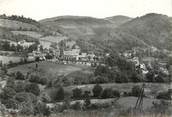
x=128, y=54
x=70, y=44
x=82, y=57
x=91, y=56
x=73, y=52
x=135, y=60
x=25, y=44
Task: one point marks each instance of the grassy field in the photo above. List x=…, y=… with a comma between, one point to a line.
x=7, y=59
x=151, y=89
x=48, y=69
x=28, y=33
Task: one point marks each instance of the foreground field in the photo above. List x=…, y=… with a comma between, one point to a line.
x=49, y=69
x=151, y=89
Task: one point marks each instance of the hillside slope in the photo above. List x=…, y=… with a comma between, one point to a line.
x=17, y=28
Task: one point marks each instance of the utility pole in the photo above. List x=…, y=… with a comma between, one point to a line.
x=139, y=102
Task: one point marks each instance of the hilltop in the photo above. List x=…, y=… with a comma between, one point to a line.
x=17, y=28
x=112, y=33
x=119, y=19
x=117, y=32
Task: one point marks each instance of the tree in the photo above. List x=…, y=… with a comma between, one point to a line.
x=10, y=83
x=116, y=93
x=77, y=93
x=136, y=91
x=101, y=79
x=6, y=46
x=150, y=76
x=41, y=108
x=7, y=93
x=107, y=93
x=101, y=70
x=10, y=103
x=19, y=86
x=60, y=94
x=20, y=76
x=32, y=88
x=25, y=97
x=97, y=90
x=34, y=78
x=135, y=77
x=87, y=101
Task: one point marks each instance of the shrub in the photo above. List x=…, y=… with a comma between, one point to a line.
x=97, y=90
x=25, y=97
x=21, y=97
x=19, y=86
x=101, y=70
x=135, y=91
x=77, y=93
x=41, y=108
x=43, y=81
x=34, y=79
x=107, y=93
x=87, y=101
x=27, y=109
x=8, y=93
x=32, y=88
x=101, y=79
x=20, y=76
x=10, y=103
x=116, y=93
x=121, y=78
x=76, y=106
x=162, y=107
x=60, y=94
x=164, y=95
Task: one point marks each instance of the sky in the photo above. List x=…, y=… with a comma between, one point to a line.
x=40, y=9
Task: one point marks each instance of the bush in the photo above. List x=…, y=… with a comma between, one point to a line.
x=76, y=106
x=101, y=71
x=97, y=90
x=121, y=78
x=25, y=97
x=27, y=109
x=7, y=93
x=116, y=93
x=162, y=107
x=101, y=79
x=32, y=88
x=164, y=95
x=60, y=94
x=19, y=86
x=107, y=93
x=10, y=103
x=37, y=79
x=34, y=79
x=135, y=91
x=43, y=81
x=77, y=93
x=20, y=76
x=41, y=108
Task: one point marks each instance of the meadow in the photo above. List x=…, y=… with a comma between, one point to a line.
x=49, y=69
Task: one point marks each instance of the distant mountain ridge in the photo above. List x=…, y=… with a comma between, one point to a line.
x=115, y=33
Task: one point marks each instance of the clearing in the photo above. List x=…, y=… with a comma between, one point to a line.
x=49, y=69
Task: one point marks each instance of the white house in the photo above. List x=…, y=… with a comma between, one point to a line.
x=25, y=44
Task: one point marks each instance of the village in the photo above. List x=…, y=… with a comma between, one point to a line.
x=68, y=52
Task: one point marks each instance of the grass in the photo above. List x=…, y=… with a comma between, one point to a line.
x=28, y=33
x=6, y=59
x=151, y=89
x=96, y=114
x=48, y=69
